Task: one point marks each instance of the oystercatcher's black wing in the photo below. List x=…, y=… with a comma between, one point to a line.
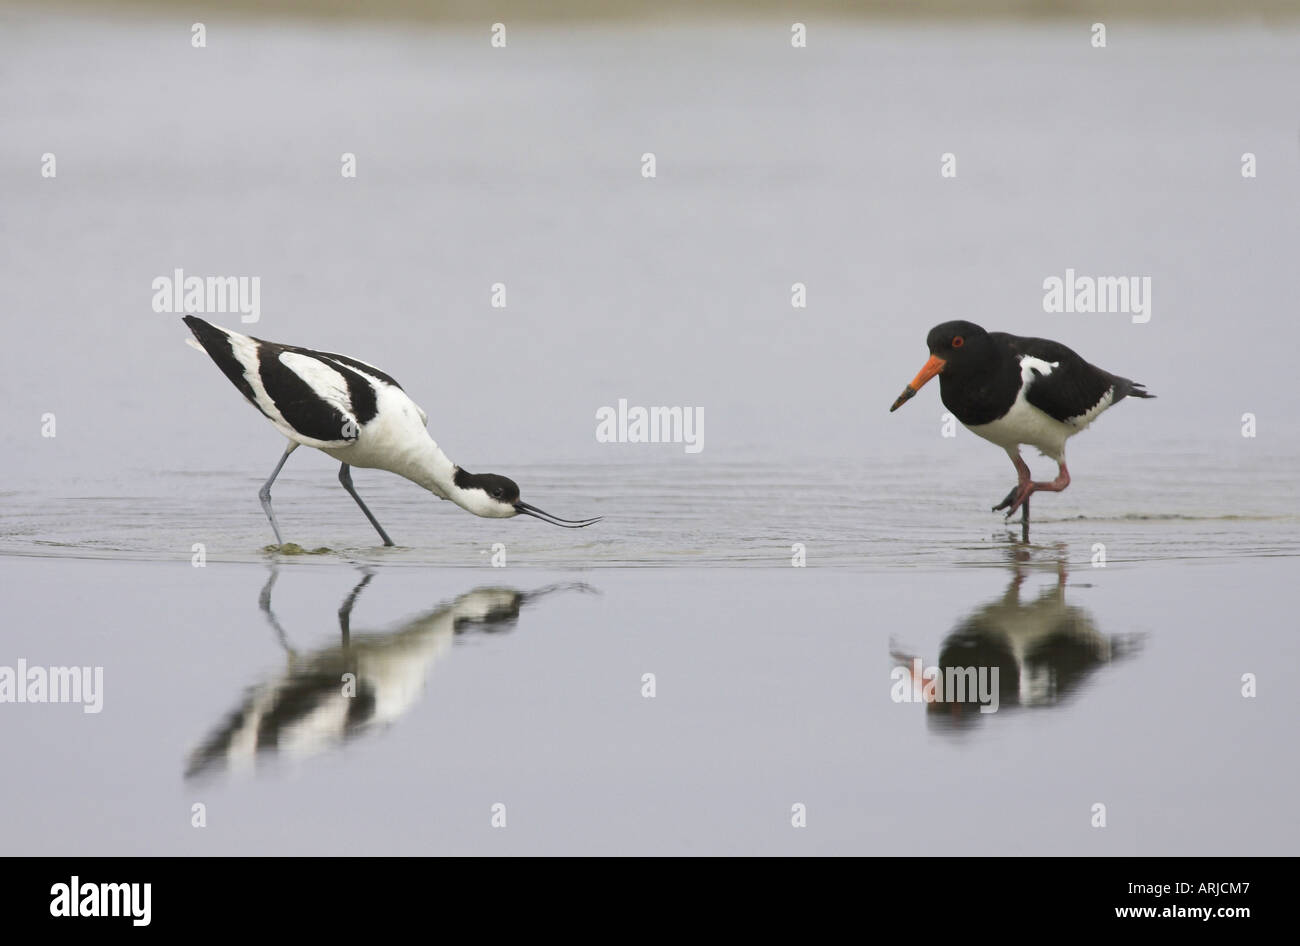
x=1073, y=388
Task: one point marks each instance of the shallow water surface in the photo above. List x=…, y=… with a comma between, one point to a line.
x=772, y=688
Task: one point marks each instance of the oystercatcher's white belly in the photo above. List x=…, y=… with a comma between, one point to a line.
x=1026, y=424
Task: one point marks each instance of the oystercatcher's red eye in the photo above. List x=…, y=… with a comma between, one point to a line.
x=958, y=342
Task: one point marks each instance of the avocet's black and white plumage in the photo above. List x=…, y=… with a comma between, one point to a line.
x=357, y=414
x=308, y=708
x=1012, y=390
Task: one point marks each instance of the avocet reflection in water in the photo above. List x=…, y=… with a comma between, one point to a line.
x=368, y=681
x=1010, y=653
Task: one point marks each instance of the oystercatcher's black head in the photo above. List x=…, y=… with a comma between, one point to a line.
x=953, y=346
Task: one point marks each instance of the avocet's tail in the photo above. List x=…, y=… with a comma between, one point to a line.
x=233, y=353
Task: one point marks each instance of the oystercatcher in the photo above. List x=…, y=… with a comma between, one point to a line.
x=1012, y=391
x=356, y=414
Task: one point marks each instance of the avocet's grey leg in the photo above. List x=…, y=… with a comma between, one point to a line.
x=345, y=610
x=264, y=494
x=264, y=602
x=345, y=477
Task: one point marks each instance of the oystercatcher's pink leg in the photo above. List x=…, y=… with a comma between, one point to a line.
x=1020, y=492
x=1027, y=487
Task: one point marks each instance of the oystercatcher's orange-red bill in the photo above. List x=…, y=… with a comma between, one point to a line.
x=928, y=371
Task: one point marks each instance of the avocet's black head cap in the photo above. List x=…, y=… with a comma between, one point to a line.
x=497, y=497
x=501, y=488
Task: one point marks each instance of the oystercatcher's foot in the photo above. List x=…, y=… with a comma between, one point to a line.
x=1020, y=497
x=1011, y=497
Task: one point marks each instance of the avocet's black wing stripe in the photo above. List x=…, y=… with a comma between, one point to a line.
x=216, y=748
x=362, y=401
x=314, y=410
x=303, y=695
x=1067, y=389
x=216, y=342
x=356, y=364
x=269, y=715
x=367, y=371
x=361, y=394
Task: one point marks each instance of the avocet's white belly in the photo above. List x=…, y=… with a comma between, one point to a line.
x=396, y=440
x=397, y=669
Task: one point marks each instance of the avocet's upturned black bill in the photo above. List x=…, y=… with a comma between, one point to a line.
x=1012, y=391
x=353, y=412
x=536, y=513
